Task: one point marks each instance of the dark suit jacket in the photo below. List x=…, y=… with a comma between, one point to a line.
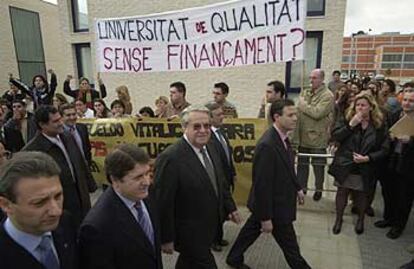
x=401, y=163
x=372, y=142
x=229, y=170
x=75, y=191
x=13, y=136
x=86, y=144
x=189, y=207
x=110, y=237
x=275, y=185
x=14, y=256
x=86, y=148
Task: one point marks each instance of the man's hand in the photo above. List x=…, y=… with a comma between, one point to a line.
x=10, y=75
x=358, y=158
x=235, y=217
x=267, y=226
x=168, y=248
x=301, y=197
x=301, y=102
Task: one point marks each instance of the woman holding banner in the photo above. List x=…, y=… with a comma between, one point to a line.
x=363, y=141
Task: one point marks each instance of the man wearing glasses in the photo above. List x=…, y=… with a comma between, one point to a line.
x=192, y=193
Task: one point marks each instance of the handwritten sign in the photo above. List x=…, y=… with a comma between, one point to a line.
x=236, y=33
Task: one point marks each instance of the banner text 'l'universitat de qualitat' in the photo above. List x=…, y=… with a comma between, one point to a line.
x=155, y=135
x=235, y=33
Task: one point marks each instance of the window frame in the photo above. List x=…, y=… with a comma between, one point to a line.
x=311, y=34
x=79, y=67
x=75, y=18
x=318, y=12
x=28, y=81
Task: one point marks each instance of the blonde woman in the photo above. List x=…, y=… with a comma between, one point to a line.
x=161, y=106
x=363, y=141
x=123, y=96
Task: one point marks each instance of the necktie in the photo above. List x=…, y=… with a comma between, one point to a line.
x=77, y=139
x=210, y=169
x=289, y=150
x=223, y=144
x=47, y=255
x=145, y=222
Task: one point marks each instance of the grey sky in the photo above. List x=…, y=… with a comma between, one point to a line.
x=379, y=15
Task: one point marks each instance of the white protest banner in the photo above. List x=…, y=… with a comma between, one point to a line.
x=236, y=33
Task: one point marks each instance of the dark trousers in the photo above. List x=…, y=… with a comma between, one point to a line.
x=284, y=234
x=405, y=196
x=220, y=233
x=389, y=188
x=196, y=259
x=318, y=165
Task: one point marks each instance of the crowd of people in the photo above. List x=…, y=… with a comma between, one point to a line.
x=45, y=187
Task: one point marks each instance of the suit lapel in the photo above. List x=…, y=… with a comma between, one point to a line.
x=61, y=246
x=194, y=162
x=129, y=224
x=279, y=146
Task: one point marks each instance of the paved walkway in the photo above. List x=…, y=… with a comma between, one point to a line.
x=322, y=249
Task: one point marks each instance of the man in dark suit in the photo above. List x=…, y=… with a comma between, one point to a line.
x=20, y=128
x=78, y=130
x=275, y=189
x=75, y=174
x=35, y=234
x=121, y=230
x=398, y=186
x=221, y=143
x=192, y=193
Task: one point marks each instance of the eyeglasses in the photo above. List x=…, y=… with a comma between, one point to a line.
x=197, y=126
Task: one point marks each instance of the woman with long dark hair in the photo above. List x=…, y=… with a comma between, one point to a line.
x=101, y=111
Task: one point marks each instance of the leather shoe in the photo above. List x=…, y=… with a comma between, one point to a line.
x=359, y=226
x=394, y=232
x=223, y=243
x=317, y=196
x=382, y=224
x=216, y=247
x=238, y=265
x=409, y=265
x=337, y=226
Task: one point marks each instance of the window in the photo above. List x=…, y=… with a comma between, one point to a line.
x=316, y=8
x=313, y=52
x=391, y=58
x=391, y=65
x=26, y=30
x=80, y=15
x=83, y=61
x=408, y=65
x=348, y=59
x=409, y=58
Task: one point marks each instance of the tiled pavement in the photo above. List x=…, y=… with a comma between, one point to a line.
x=322, y=249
